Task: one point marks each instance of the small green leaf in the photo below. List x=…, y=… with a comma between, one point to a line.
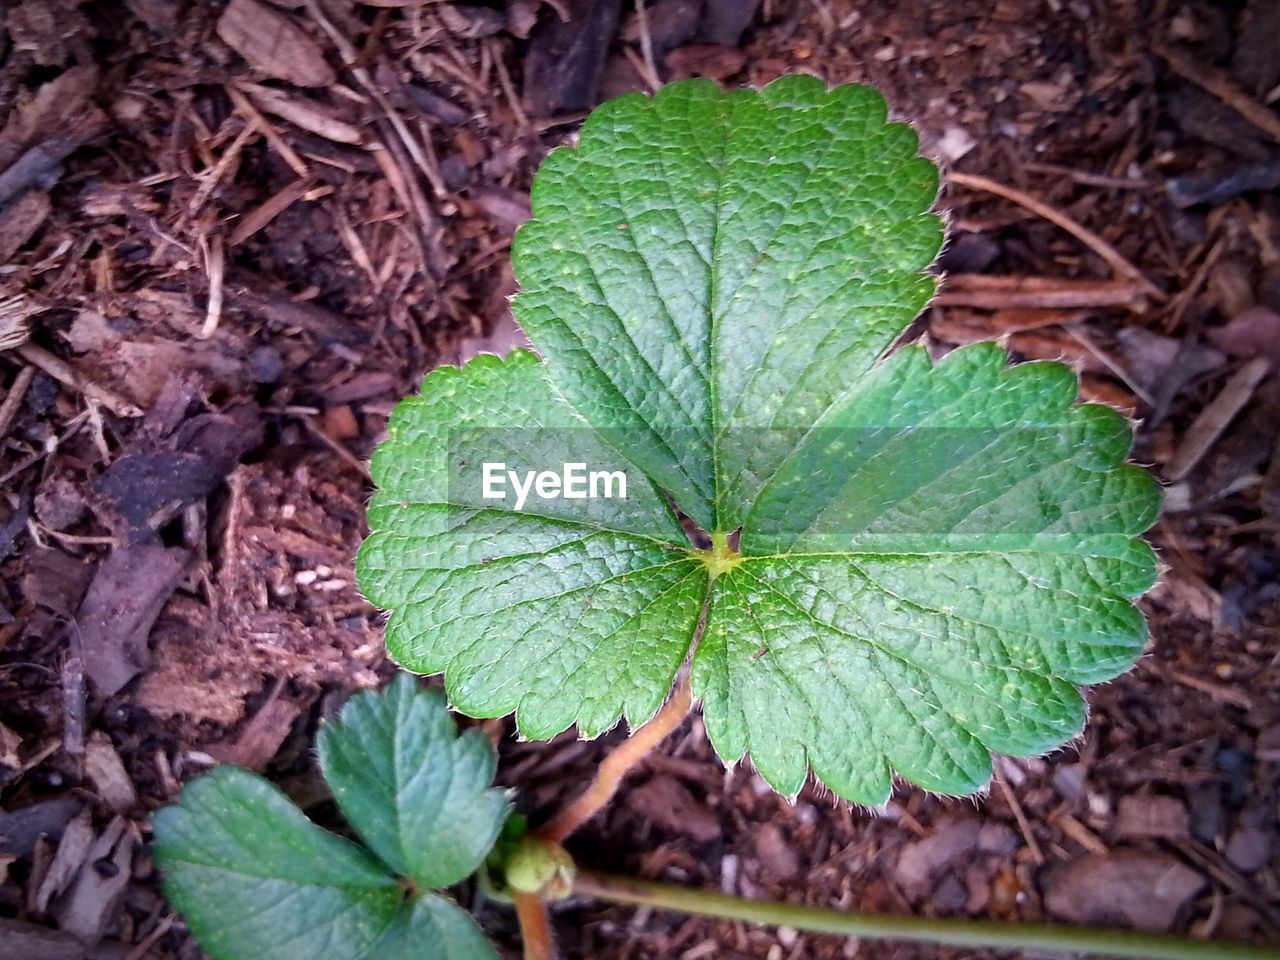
x=418, y=794
x=256, y=880
x=931, y=558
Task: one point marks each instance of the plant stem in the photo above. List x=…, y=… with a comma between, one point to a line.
x=954, y=932
x=617, y=765
x=535, y=927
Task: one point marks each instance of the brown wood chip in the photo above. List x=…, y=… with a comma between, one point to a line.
x=91, y=908
x=72, y=849
x=273, y=44
x=1214, y=419
x=126, y=596
x=103, y=766
x=1144, y=890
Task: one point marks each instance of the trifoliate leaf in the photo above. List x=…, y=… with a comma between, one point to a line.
x=929, y=558
x=418, y=794
x=256, y=880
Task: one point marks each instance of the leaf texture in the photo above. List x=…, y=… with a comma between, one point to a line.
x=556, y=613
x=933, y=557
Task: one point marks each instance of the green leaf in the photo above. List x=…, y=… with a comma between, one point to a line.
x=256, y=880
x=932, y=557
x=694, y=265
x=928, y=578
x=419, y=795
x=560, y=613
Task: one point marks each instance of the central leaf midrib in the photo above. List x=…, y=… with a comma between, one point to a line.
x=995, y=628
x=724, y=111
x=681, y=466
x=777, y=227
x=357, y=908
x=717, y=426
x=653, y=431
x=603, y=638
x=403, y=917
x=508, y=558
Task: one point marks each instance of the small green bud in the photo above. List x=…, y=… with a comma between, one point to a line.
x=536, y=866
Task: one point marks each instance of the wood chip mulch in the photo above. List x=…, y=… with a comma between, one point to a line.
x=232, y=235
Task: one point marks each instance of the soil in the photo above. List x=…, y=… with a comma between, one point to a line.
x=233, y=235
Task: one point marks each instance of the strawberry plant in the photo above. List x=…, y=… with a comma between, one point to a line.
x=715, y=481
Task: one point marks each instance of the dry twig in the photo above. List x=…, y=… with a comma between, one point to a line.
x=1114, y=258
x=1081, y=336
x=210, y=179
x=650, y=71
x=1224, y=88
x=13, y=399
x=268, y=210
x=1209, y=425
x=269, y=132
x=345, y=455
x=68, y=376
x=215, y=267
x=307, y=115
x=508, y=88
x=1033, y=846
x=72, y=428
x=365, y=79
x=1089, y=178
x=1038, y=293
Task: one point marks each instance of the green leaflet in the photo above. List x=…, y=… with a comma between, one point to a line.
x=693, y=266
x=256, y=880
x=418, y=794
x=933, y=557
x=559, y=618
